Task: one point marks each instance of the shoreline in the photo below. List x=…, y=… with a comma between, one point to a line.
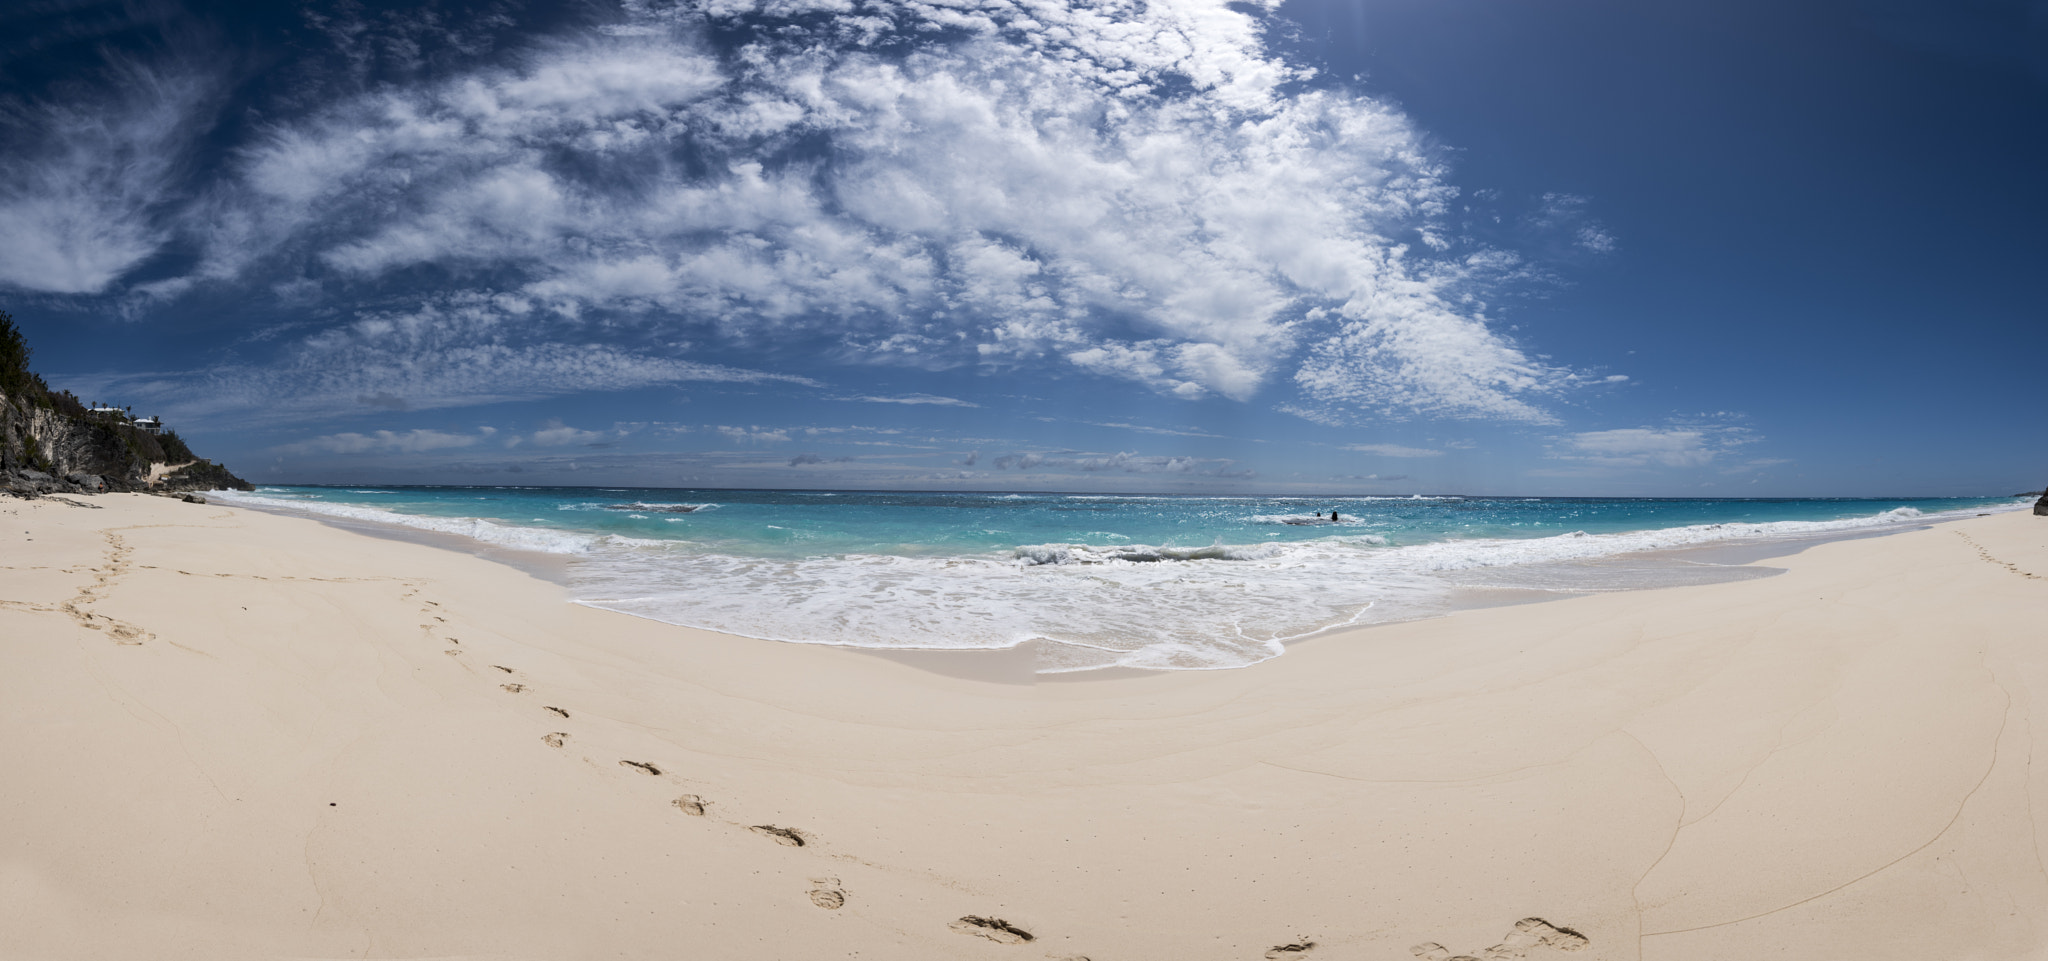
x=235, y=734
x=1691, y=565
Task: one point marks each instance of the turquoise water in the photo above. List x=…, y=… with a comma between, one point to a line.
x=1094, y=580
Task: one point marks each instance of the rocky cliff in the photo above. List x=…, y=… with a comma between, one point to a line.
x=2041, y=506
x=50, y=442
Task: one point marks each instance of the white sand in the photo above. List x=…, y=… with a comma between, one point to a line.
x=227, y=734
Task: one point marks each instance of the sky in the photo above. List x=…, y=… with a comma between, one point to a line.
x=1533, y=247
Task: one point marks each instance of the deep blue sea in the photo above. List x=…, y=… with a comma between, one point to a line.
x=1094, y=580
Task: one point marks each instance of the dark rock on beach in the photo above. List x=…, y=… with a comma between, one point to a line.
x=2041, y=506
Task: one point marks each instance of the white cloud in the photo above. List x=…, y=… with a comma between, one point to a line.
x=386, y=442
x=1684, y=446
x=754, y=435
x=918, y=399
x=1144, y=429
x=1567, y=215
x=557, y=434
x=80, y=182
x=1394, y=450
x=1124, y=462
x=449, y=353
x=1138, y=190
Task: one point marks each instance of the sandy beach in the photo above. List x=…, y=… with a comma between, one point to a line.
x=232, y=734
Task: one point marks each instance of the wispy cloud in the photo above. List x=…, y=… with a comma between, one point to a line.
x=754, y=435
x=1147, y=429
x=558, y=434
x=1637, y=447
x=1123, y=462
x=1009, y=184
x=1568, y=216
x=1394, y=450
x=930, y=399
x=387, y=442
x=447, y=354
x=84, y=184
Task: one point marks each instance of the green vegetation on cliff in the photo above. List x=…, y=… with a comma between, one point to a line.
x=51, y=441
x=16, y=380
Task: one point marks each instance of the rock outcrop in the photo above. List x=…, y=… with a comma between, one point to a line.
x=2041, y=506
x=50, y=443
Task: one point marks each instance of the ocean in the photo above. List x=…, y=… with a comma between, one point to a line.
x=1092, y=580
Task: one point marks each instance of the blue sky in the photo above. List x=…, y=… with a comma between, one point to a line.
x=1485, y=246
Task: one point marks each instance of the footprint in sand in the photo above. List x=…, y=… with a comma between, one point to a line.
x=789, y=836
x=1528, y=933
x=1546, y=934
x=1296, y=950
x=504, y=668
x=642, y=765
x=556, y=739
x=513, y=688
x=826, y=893
x=691, y=804
x=994, y=929
x=557, y=710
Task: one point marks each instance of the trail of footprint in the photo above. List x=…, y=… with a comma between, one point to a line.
x=691, y=804
x=1528, y=933
x=1295, y=950
x=1986, y=555
x=556, y=739
x=79, y=606
x=557, y=710
x=826, y=893
x=789, y=836
x=994, y=929
x=513, y=688
x=643, y=766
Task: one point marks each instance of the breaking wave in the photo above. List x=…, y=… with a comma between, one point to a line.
x=1106, y=602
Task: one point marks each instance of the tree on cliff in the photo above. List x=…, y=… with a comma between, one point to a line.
x=45, y=432
x=15, y=378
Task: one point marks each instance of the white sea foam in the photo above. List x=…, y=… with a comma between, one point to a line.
x=1100, y=605
x=1314, y=520
x=489, y=532
x=1087, y=605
